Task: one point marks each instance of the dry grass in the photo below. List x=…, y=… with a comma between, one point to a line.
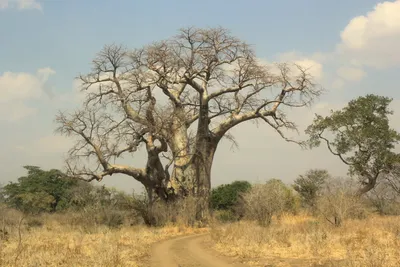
x=305, y=241
x=292, y=241
x=58, y=243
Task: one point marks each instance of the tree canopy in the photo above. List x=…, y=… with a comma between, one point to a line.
x=360, y=135
x=39, y=191
x=226, y=196
x=308, y=185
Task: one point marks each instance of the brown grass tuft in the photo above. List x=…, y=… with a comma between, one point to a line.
x=55, y=243
x=305, y=241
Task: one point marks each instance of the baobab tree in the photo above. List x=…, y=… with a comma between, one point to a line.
x=178, y=98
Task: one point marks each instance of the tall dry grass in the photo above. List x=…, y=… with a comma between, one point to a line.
x=306, y=241
x=58, y=240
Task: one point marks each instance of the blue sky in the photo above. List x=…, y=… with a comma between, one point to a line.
x=352, y=56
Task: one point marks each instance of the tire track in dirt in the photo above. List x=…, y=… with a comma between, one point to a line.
x=188, y=251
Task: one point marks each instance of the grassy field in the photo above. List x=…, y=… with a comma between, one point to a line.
x=305, y=241
x=57, y=240
x=55, y=243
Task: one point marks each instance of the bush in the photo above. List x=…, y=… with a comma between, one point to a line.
x=102, y=206
x=111, y=218
x=225, y=216
x=226, y=196
x=263, y=201
x=309, y=186
x=34, y=222
x=338, y=202
x=384, y=199
x=9, y=221
x=158, y=213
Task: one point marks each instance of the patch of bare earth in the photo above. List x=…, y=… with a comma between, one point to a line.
x=189, y=251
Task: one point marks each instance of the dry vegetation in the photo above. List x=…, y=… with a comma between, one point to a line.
x=265, y=225
x=68, y=240
x=306, y=241
x=58, y=240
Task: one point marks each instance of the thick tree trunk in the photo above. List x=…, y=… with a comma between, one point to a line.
x=192, y=181
x=202, y=164
x=191, y=173
x=193, y=178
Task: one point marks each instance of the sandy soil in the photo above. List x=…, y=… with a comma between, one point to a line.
x=188, y=251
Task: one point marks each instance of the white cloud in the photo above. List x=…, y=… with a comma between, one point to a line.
x=29, y=4
x=337, y=84
x=312, y=63
x=16, y=111
x=20, y=4
x=44, y=73
x=3, y=4
x=314, y=67
x=352, y=74
x=373, y=39
x=75, y=96
x=16, y=89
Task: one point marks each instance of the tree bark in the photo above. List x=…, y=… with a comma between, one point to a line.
x=190, y=70
x=191, y=175
x=368, y=186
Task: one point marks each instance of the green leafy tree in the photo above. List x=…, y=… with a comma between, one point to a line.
x=39, y=191
x=361, y=137
x=225, y=197
x=309, y=186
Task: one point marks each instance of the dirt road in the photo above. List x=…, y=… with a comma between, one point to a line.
x=188, y=251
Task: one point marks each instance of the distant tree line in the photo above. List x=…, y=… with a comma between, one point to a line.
x=315, y=192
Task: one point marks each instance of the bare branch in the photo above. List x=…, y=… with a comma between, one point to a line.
x=152, y=97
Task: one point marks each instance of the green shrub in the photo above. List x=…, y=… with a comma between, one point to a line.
x=309, y=186
x=227, y=197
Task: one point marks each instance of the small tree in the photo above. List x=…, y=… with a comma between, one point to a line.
x=39, y=191
x=361, y=137
x=263, y=201
x=338, y=202
x=226, y=196
x=224, y=199
x=309, y=186
x=101, y=205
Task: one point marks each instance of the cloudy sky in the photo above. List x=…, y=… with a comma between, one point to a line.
x=352, y=48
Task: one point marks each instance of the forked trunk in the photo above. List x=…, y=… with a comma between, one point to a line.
x=192, y=181
x=194, y=178
x=191, y=174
